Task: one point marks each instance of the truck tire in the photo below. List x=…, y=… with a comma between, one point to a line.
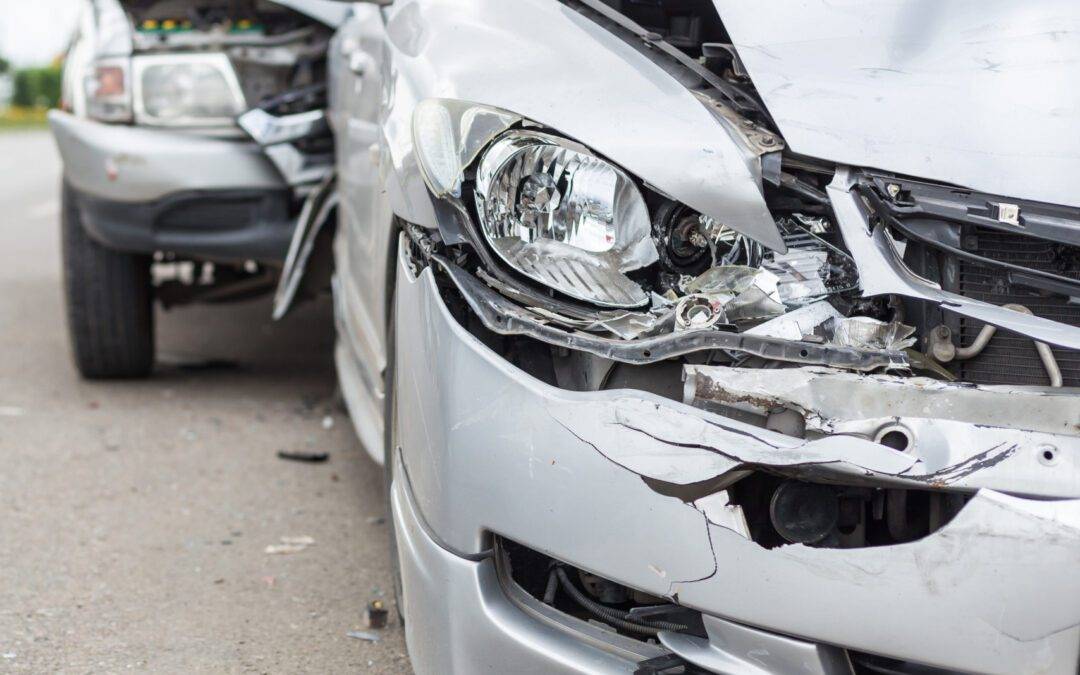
x=110, y=303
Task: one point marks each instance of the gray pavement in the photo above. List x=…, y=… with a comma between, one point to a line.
x=134, y=515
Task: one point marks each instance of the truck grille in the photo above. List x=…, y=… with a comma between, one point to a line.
x=1011, y=358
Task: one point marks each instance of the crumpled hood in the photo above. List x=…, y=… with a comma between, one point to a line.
x=979, y=93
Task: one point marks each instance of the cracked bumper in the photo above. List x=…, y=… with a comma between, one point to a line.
x=490, y=449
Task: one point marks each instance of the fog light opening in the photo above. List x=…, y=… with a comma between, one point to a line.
x=895, y=437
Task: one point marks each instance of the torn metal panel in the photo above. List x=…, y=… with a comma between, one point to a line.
x=314, y=216
x=468, y=459
x=825, y=395
x=682, y=446
x=502, y=316
x=956, y=580
x=674, y=445
x=882, y=272
x=952, y=429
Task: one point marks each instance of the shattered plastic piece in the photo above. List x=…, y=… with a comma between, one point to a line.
x=697, y=312
x=812, y=269
x=301, y=456
x=800, y=274
x=798, y=323
x=283, y=549
x=863, y=332
x=626, y=325
x=365, y=635
x=302, y=541
x=375, y=614
x=753, y=292
x=289, y=545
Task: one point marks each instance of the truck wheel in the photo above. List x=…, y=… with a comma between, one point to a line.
x=110, y=300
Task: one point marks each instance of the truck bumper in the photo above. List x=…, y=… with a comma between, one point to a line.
x=145, y=190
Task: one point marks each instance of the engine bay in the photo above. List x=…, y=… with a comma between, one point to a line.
x=727, y=298
x=272, y=49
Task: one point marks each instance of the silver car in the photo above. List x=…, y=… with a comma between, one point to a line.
x=716, y=336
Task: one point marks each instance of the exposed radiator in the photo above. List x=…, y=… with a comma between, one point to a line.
x=1011, y=358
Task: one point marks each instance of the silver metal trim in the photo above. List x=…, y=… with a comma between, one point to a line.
x=269, y=129
x=882, y=271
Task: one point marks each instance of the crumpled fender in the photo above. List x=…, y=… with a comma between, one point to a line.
x=548, y=63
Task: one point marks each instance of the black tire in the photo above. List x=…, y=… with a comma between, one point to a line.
x=389, y=458
x=110, y=302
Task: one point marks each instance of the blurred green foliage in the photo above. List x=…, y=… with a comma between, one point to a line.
x=37, y=87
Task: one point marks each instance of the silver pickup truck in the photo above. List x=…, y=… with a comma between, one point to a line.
x=192, y=134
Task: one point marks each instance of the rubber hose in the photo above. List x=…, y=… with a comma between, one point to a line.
x=612, y=615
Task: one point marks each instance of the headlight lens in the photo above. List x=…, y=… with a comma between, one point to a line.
x=108, y=90
x=564, y=217
x=186, y=90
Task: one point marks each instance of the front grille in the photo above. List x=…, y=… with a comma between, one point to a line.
x=1011, y=358
x=211, y=214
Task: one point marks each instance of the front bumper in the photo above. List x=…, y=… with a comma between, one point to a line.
x=488, y=449
x=215, y=225
x=122, y=163
x=144, y=190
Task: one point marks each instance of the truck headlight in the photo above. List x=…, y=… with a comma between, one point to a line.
x=185, y=90
x=562, y=216
x=172, y=90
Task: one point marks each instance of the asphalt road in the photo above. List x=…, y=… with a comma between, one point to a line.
x=134, y=516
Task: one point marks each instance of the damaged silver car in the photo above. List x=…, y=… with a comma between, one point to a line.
x=193, y=135
x=716, y=336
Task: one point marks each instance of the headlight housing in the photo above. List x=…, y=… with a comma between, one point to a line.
x=549, y=207
x=186, y=90
x=108, y=90
x=172, y=90
x=564, y=217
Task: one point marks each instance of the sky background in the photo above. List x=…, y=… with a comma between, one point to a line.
x=33, y=32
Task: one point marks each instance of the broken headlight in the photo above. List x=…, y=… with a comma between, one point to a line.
x=549, y=207
x=564, y=217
